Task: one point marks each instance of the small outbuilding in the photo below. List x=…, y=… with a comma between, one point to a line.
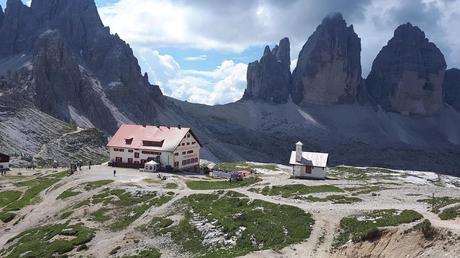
x=4, y=162
x=151, y=166
x=308, y=164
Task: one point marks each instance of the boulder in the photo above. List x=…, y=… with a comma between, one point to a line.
x=269, y=79
x=407, y=74
x=452, y=88
x=328, y=69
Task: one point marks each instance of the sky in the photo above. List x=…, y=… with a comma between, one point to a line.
x=199, y=50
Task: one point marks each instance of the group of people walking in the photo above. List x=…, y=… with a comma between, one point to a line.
x=74, y=167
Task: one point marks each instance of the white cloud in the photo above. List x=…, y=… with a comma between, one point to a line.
x=197, y=58
x=237, y=25
x=222, y=85
x=161, y=68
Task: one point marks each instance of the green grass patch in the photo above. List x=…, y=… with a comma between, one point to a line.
x=254, y=224
x=437, y=203
x=96, y=184
x=237, y=166
x=152, y=181
x=6, y=217
x=48, y=241
x=353, y=173
x=157, y=224
x=100, y=215
x=365, y=189
x=450, y=213
x=366, y=226
x=336, y=199
x=7, y=197
x=121, y=208
x=67, y=194
x=212, y=185
x=34, y=187
x=170, y=186
x=296, y=190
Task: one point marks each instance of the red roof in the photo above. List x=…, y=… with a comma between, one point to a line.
x=149, y=137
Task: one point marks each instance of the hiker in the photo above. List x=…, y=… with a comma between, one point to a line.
x=89, y=164
x=114, y=173
x=55, y=165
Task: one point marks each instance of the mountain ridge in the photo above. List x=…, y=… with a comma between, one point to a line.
x=97, y=82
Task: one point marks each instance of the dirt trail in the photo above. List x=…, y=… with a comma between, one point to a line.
x=43, y=147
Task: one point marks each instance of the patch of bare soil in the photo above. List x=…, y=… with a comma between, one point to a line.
x=398, y=243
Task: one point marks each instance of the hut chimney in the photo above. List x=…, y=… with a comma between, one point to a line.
x=298, y=151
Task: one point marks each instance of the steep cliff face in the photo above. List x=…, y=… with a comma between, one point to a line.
x=407, y=74
x=452, y=87
x=269, y=79
x=75, y=63
x=328, y=69
x=2, y=16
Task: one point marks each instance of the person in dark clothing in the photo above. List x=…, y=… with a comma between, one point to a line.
x=89, y=166
x=114, y=172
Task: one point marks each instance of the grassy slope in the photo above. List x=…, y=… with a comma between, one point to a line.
x=266, y=225
x=211, y=185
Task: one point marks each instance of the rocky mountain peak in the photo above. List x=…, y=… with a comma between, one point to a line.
x=78, y=71
x=71, y=12
x=78, y=21
x=282, y=51
x=452, y=87
x=269, y=79
x=267, y=51
x=407, y=32
x=2, y=16
x=334, y=19
x=407, y=74
x=334, y=48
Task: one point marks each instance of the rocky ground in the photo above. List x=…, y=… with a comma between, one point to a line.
x=134, y=212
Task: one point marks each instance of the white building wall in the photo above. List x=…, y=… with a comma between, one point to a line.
x=188, y=144
x=316, y=172
x=165, y=157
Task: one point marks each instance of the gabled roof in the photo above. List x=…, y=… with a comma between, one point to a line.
x=314, y=159
x=156, y=138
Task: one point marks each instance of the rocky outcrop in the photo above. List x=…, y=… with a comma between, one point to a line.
x=407, y=74
x=62, y=87
x=328, y=68
x=452, y=87
x=269, y=79
x=76, y=62
x=17, y=28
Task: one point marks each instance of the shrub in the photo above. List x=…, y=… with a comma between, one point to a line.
x=426, y=228
x=7, y=216
x=366, y=235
